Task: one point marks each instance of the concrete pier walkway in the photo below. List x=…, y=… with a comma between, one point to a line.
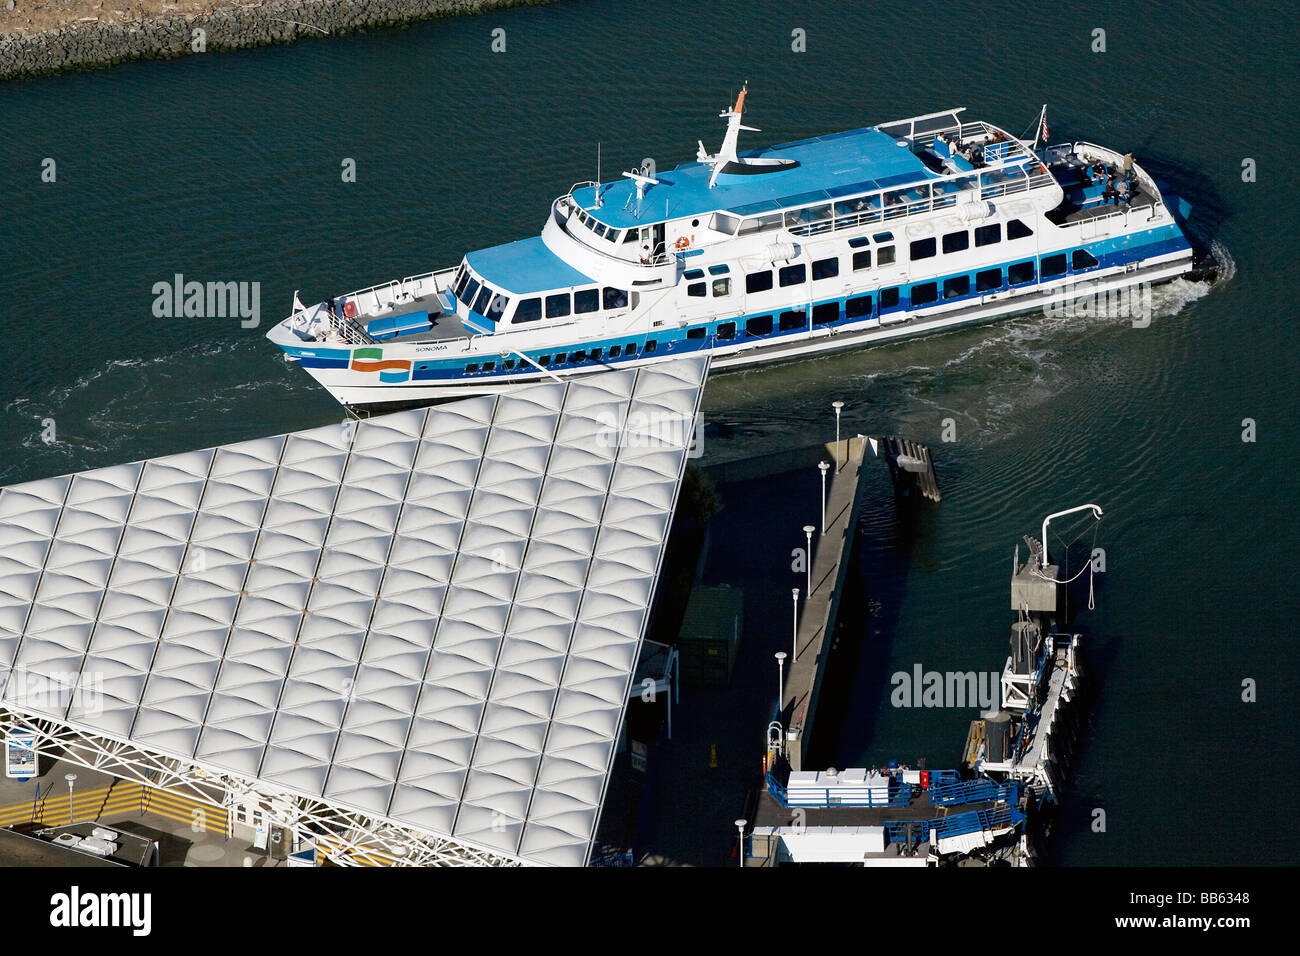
x=831, y=554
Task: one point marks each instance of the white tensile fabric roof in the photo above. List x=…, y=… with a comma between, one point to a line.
x=430, y=617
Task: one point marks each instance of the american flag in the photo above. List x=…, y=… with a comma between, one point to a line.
x=1043, y=125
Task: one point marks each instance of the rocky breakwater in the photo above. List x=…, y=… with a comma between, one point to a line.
x=99, y=38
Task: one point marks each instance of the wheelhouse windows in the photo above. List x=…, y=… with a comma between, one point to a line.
x=758, y=281
x=615, y=298
x=481, y=303
x=956, y=241
x=1053, y=266
x=1020, y=273
x=557, y=306
x=462, y=279
x=923, y=248
x=1082, y=259
x=988, y=280
x=471, y=290
x=1018, y=230
x=988, y=235
x=826, y=268
x=529, y=310
x=793, y=275
x=497, y=306
x=586, y=300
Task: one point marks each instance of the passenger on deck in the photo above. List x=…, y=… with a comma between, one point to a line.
x=1110, y=194
x=1122, y=192
x=645, y=255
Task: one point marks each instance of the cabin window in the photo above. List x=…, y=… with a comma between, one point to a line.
x=1020, y=273
x=557, y=306
x=759, y=325
x=721, y=269
x=790, y=321
x=925, y=293
x=586, y=300
x=987, y=235
x=630, y=348
x=758, y=281
x=595, y=354
x=1018, y=230
x=461, y=281
x=615, y=298
x=560, y=358
x=793, y=275
x=631, y=236
x=697, y=289
x=826, y=313
x=578, y=355
x=761, y=224
x=885, y=256
x=529, y=310
x=484, y=297
x=724, y=223
x=726, y=330
x=856, y=308
x=650, y=346
x=721, y=287
x=508, y=364
x=988, y=280
x=489, y=366
x=956, y=241
x=862, y=260
x=826, y=268
x=615, y=351
x=923, y=248
x=599, y=229
x=471, y=368
x=1082, y=259
x=697, y=332
x=1053, y=266
x=956, y=287
x=889, y=298
x=544, y=360
x=858, y=242
x=883, y=237
x=693, y=274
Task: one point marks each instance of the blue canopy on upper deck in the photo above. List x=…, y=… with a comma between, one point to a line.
x=525, y=267
x=862, y=156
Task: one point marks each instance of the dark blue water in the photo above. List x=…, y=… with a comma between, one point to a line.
x=227, y=167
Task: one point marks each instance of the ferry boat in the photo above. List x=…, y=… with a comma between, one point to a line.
x=833, y=242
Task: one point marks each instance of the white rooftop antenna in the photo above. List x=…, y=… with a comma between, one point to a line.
x=642, y=184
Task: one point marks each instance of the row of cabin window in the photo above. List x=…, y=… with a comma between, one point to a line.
x=960, y=241
x=561, y=358
x=562, y=304
x=608, y=233
x=987, y=280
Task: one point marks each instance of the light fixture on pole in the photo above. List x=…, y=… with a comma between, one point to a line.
x=71, y=778
x=808, y=533
x=740, y=827
x=823, y=467
x=839, y=407
x=780, y=679
x=794, y=593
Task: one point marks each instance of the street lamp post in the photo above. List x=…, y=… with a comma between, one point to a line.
x=794, y=594
x=740, y=828
x=823, y=467
x=780, y=678
x=808, y=533
x=839, y=407
x=71, y=778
